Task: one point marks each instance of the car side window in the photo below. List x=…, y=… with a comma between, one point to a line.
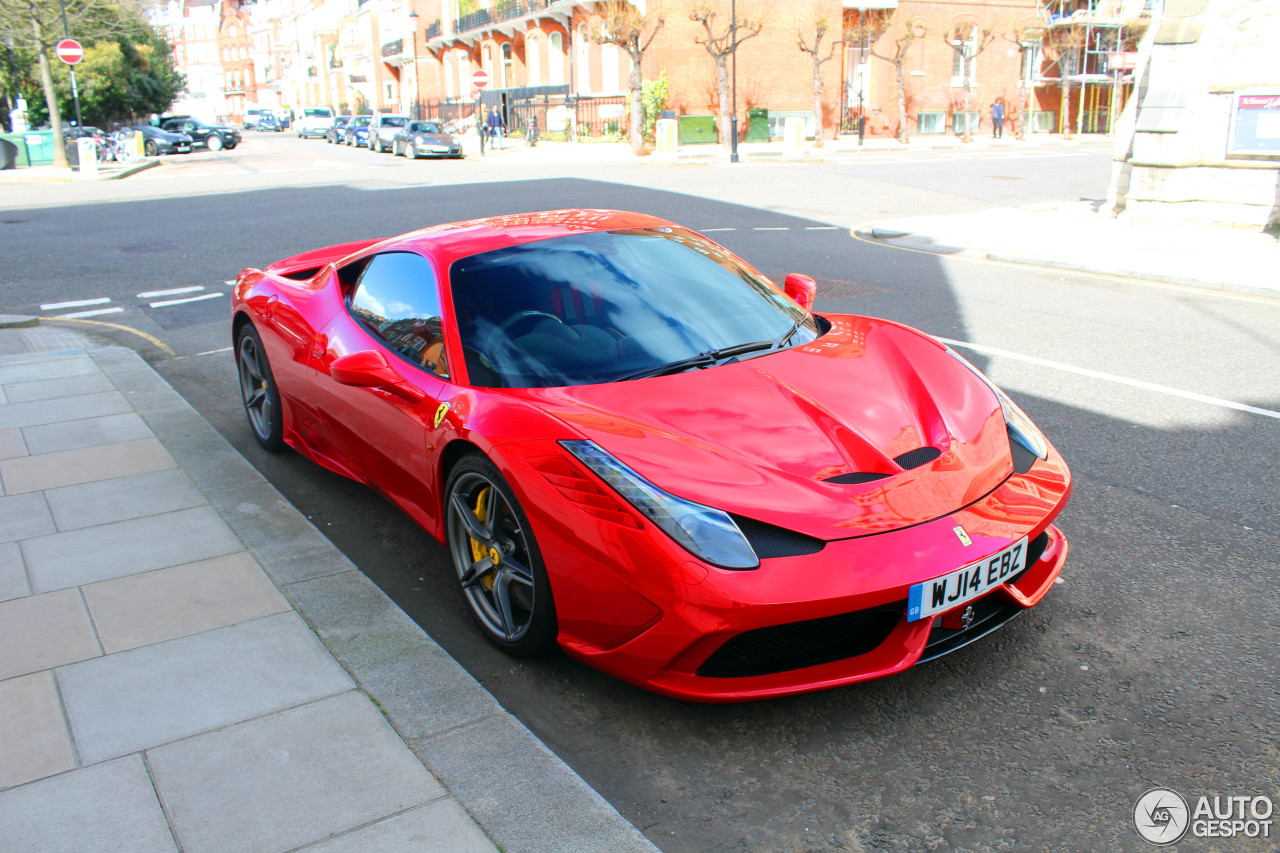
x=397, y=299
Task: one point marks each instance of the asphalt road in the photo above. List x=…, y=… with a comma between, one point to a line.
x=1152, y=664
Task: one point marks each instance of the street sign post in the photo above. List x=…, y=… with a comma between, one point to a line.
x=69, y=51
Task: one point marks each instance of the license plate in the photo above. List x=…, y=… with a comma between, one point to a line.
x=966, y=584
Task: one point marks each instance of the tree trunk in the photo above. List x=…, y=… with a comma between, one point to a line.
x=817, y=97
x=50, y=97
x=637, y=102
x=902, y=102
x=722, y=89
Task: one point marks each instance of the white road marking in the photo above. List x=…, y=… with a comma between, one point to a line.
x=95, y=313
x=771, y=229
x=1120, y=380
x=823, y=228
x=152, y=294
x=709, y=230
x=215, y=351
x=77, y=303
x=168, y=302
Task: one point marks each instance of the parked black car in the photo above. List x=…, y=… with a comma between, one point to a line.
x=212, y=136
x=156, y=141
x=337, y=129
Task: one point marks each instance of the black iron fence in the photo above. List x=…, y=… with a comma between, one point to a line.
x=556, y=116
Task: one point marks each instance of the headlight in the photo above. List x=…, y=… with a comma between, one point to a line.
x=1021, y=427
x=705, y=532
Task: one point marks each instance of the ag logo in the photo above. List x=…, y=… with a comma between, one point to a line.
x=440, y=413
x=1161, y=816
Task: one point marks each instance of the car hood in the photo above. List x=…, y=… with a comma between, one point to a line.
x=432, y=138
x=763, y=438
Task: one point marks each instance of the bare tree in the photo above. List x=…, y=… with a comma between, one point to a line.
x=721, y=41
x=623, y=24
x=1062, y=45
x=870, y=28
x=816, y=20
x=39, y=24
x=1026, y=35
x=968, y=40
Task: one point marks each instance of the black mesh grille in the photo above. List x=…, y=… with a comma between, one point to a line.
x=854, y=478
x=907, y=461
x=989, y=613
x=780, y=648
x=917, y=457
x=1023, y=459
x=770, y=541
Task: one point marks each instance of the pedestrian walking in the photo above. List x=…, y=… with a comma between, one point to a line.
x=497, y=127
x=997, y=118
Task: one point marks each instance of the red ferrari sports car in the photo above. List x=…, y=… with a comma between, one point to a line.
x=639, y=448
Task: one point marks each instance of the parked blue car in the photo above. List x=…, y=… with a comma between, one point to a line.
x=357, y=132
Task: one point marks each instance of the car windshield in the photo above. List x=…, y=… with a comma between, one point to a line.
x=361, y=121
x=608, y=306
x=394, y=121
x=314, y=112
x=424, y=127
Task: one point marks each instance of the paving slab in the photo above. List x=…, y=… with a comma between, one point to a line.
x=288, y=779
x=34, y=742
x=140, y=610
x=153, y=695
x=92, y=554
x=17, y=415
x=439, y=827
x=47, y=389
x=24, y=517
x=89, y=432
x=38, y=367
x=510, y=781
x=419, y=686
x=210, y=462
x=43, y=631
x=122, y=498
x=13, y=572
x=11, y=444
x=110, y=807
x=83, y=465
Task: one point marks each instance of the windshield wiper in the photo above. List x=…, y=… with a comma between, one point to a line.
x=712, y=357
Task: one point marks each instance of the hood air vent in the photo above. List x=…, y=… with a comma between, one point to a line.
x=907, y=461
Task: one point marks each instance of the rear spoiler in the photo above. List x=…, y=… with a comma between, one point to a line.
x=317, y=258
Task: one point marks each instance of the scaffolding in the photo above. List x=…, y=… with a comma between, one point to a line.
x=1094, y=41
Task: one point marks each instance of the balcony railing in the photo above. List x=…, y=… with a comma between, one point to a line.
x=393, y=48
x=504, y=10
x=433, y=30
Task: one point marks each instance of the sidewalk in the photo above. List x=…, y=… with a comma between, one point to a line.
x=186, y=663
x=1078, y=236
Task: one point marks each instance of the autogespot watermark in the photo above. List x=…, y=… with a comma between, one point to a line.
x=1163, y=816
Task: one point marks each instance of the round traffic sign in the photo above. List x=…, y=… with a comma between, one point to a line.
x=480, y=78
x=69, y=51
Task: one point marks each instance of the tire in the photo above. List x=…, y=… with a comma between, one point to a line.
x=258, y=391
x=150, y=148
x=214, y=142
x=510, y=596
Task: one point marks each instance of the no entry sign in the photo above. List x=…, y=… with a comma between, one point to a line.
x=69, y=51
x=480, y=78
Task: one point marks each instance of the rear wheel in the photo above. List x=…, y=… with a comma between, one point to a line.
x=214, y=142
x=499, y=567
x=150, y=148
x=258, y=391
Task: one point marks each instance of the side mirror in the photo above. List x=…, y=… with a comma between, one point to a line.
x=369, y=369
x=802, y=289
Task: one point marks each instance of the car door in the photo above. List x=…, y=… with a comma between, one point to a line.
x=387, y=433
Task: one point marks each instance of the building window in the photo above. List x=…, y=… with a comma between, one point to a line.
x=532, y=46
x=488, y=62
x=932, y=121
x=963, y=61
x=609, y=69
x=389, y=92
x=555, y=58
x=508, y=67
x=1032, y=55
x=965, y=121
x=584, y=60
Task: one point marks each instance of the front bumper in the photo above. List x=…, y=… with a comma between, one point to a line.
x=796, y=624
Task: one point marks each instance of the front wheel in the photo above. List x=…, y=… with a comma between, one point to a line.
x=151, y=149
x=258, y=391
x=214, y=143
x=497, y=561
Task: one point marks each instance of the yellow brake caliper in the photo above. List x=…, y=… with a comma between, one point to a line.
x=478, y=551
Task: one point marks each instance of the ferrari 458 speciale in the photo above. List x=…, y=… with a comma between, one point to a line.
x=638, y=448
